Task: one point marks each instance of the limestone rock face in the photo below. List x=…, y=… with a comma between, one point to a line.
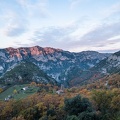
x=52, y=61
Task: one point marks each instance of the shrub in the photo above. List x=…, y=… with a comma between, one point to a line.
x=76, y=105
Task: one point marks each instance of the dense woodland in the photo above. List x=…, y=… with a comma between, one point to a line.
x=77, y=103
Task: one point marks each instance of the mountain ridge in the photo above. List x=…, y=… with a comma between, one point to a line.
x=106, y=67
x=52, y=61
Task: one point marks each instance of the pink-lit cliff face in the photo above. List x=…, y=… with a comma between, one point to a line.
x=34, y=51
x=13, y=52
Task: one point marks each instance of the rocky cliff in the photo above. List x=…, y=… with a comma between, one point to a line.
x=52, y=61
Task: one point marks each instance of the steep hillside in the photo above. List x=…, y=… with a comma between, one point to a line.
x=108, y=66
x=107, y=82
x=54, y=62
x=25, y=72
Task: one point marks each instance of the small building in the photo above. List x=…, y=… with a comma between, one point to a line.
x=25, y=88
x=8, y=98
x=106, y=83
x=60, y=92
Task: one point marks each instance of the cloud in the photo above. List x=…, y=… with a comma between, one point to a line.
x=74, y=3
x=111, y=11
x=35, y=8
x=19, y=14
x=14, y=20
x=73, y=38
x=101, y=38
x=60, y=34
x=15, y=30
x=53, y=33
x=53, y=36
x=16, y=25
x=103, y=32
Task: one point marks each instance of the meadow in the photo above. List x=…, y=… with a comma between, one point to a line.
x=17, y=91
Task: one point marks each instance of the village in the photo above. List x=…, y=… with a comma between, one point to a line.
x=22, y=91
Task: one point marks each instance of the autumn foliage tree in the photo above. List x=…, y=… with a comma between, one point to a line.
x=107, y=102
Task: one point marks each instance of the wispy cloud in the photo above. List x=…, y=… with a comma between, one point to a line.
x=18, y=18
x=53, y=36
x=103, y=32
x=99, y=39
x=16, y=25
x=37, y=8
x=95, y=39
x=74, y=3
x=15, y=30
x=111, y=11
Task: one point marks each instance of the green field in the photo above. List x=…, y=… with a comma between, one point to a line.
x=20, y=93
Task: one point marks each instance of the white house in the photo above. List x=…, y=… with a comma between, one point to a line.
x=25, y=88
x=59, y=92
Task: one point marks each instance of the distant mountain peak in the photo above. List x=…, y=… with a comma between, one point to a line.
x=55, y=62
x=117, y=53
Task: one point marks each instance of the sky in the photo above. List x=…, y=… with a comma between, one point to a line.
x=72, y=25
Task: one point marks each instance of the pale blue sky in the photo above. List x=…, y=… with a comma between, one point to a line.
x=74, y=25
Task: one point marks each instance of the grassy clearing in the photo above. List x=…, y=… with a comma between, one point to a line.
x=20, y=93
